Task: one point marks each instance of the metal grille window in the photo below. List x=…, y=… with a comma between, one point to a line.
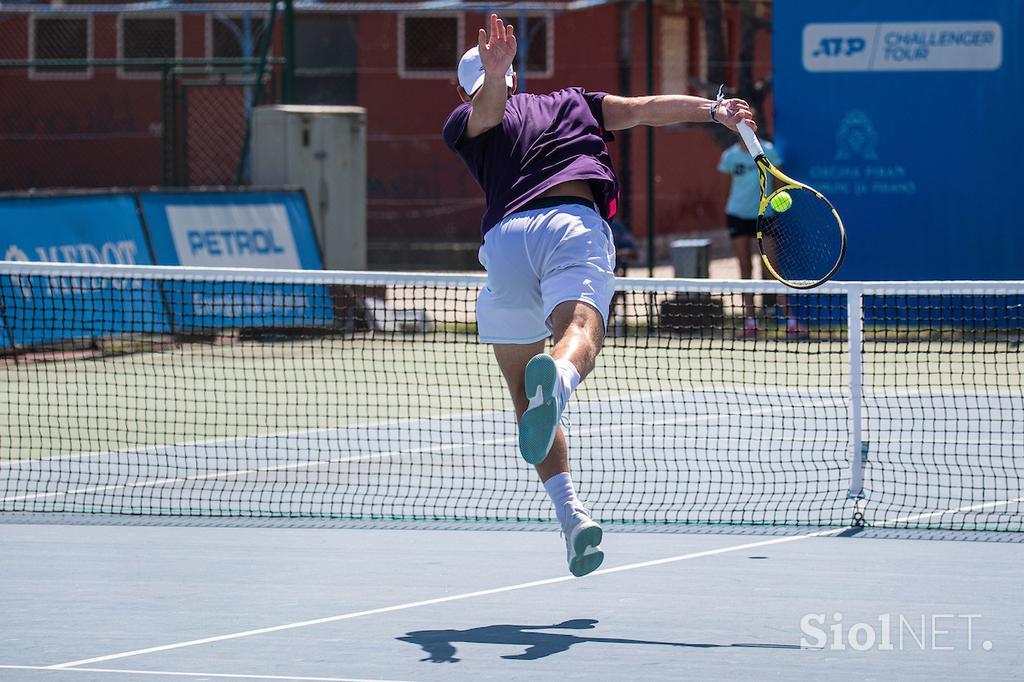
x=429, y=46
x=326, y=59
x=148, y=38
x=229, y=39
x=59, y=38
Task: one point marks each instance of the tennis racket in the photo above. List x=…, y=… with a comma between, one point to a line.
x=802, y=240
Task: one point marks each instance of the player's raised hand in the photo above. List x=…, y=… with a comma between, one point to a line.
x=497, y=51
x=732, y=111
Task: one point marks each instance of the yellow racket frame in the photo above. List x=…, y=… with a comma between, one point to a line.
x=764, y=169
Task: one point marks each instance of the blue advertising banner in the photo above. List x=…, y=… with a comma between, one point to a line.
x=231, y=229
x=900, y=113
x=81, y=229
x=238, y=229
x=78, y=229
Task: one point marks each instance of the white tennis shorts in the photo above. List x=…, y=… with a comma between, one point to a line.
x=537, y=259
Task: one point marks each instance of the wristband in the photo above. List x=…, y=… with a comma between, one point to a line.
x=718, y=100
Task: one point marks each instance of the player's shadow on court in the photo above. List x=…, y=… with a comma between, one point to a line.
x=440, y=644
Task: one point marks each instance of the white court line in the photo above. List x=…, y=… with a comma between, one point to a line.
x=451, y=598
x=236, y=441
x=958, y=510
x=235, y=472
x=678, y=421
x=451, y=447
x=239, y=440
x=724, y=389
x=169, y=673
x=433, y=449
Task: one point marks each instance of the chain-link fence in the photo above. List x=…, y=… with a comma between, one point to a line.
x=208, y=120
x=103, y=99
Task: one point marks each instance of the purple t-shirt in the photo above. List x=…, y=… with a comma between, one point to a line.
x=543, y=140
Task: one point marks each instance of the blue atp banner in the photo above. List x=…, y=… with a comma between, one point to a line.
x=76, y=229
x=238, y=229
x=900, y=113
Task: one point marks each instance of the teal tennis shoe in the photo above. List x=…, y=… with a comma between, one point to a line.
x=539, y=422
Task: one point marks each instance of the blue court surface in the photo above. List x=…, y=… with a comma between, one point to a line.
x=103, y=598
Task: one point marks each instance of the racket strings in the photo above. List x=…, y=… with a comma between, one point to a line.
x=804, y=243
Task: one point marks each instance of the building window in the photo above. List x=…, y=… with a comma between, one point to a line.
x=154, y=38
x=429, y=46
x=675, y=55
x=684, y=55
x=540, y=53
x=228, y=39
x=699, y=62
x=60, y=38
x=326, y=59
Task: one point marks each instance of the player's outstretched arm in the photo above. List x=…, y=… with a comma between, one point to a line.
x=660, y=110
x=497, y=52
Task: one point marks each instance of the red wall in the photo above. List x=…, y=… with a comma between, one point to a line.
x=105, y=131
x=418, y=189
x=689, y=192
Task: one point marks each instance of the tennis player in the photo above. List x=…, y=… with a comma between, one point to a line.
x=543, y=164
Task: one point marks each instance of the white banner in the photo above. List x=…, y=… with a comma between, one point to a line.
x=904, y=46
x=237, y=235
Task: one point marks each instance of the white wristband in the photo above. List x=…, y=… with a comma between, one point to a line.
x=718, y=100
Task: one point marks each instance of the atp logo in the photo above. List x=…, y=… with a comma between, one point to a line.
x=856, y=137
x=839, y=47
x=903, y=46
x=14, y=253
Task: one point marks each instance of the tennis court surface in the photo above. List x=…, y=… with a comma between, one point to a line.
x=240, y=473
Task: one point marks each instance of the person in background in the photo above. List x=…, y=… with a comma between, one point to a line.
x=741, y=220
x=626, y=256
x=625, y=246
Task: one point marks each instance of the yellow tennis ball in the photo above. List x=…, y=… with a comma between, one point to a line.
x=781, y=202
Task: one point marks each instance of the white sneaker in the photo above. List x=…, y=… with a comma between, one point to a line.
x=582, y=541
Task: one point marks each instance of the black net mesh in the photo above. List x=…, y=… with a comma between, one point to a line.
x=249, y=393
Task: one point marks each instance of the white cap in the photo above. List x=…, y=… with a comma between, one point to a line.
x=471, y=71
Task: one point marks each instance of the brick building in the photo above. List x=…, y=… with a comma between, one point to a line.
x=92, y=126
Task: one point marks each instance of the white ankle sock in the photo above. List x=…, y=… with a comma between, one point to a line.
x=568, y=379
x=560, y=491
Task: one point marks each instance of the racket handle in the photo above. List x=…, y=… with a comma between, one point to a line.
x=750, y=139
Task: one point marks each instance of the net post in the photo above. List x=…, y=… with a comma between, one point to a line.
x=855, y=336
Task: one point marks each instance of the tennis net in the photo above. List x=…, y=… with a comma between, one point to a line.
x=204, y=392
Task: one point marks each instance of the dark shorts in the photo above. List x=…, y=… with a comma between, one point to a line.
x=741, y=227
